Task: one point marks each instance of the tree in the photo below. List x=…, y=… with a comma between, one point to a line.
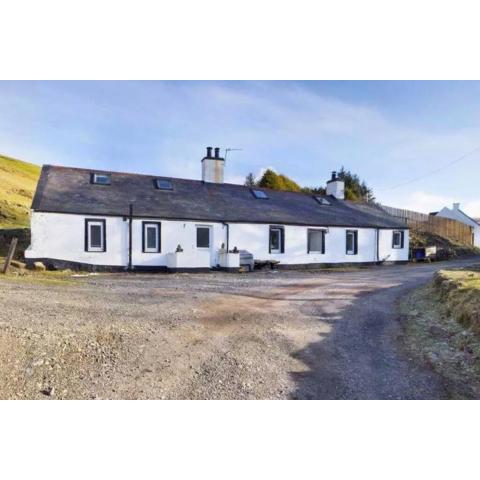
x=250, y=180
x=315, y=190
x=355, y=189
x=289, y=184
x=275, y=181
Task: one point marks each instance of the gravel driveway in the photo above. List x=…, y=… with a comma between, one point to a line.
x=313, y=334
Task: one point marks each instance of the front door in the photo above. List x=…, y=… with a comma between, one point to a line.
x=205, y=241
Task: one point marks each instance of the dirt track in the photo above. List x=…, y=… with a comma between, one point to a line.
x=265, y=335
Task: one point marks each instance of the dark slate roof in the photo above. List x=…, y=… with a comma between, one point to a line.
x=68, y=190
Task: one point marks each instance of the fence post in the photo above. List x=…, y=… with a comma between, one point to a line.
x=11, y=251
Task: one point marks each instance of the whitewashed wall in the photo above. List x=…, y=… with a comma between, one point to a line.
x=62, y=237
x=389, y=254
x=255, y=238
x=175, y=233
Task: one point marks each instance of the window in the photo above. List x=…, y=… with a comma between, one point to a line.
x=398, y=239
x=322, y=201
x=163, y=184
x=100, y=178
x=352, y=242
x=260, y=194
x=95, y=236
x=316, y=241
x=277, y=240
x=203, y=237
x=151, y=238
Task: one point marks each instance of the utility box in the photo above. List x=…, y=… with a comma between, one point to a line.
x=424, y=254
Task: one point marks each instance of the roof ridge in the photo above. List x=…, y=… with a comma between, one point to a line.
x=468, y=216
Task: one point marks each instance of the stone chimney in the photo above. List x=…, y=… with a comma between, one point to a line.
x=456, y=206
x=336, y=187
x=213, y=166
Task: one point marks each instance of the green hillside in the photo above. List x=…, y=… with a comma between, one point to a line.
x=18, y=181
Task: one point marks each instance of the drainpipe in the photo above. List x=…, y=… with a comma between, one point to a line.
x=228, y=235
x=130, y=221
x=378, y=245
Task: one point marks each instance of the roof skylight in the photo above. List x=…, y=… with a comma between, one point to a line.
x=322, y=200
x=101, y=178
x=260, y=194
x=163, y=184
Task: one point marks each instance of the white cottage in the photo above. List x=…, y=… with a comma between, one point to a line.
x=102, y=220
x=456, y=213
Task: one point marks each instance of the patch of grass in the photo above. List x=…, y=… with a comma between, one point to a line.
x=437, y=330
x=460, y=293
x=46, y=278
x=18, y=181
x=49, y=277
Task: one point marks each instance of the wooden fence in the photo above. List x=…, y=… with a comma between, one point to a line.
x=445, y=227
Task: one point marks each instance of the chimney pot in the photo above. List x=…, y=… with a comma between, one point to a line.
x=334, y=175
x=456, y=206
x=213, y=167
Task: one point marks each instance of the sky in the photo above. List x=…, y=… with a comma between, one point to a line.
x=417, y=144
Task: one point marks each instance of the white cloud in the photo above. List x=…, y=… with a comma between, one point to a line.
x=424, y=202
x=472, y=208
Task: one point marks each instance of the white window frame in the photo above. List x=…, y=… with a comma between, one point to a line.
x=209, y=228
x=155, y=226
x=352, y=233
x=399, y=244
x=102, y=224
x=322, y=232
x=280, y=233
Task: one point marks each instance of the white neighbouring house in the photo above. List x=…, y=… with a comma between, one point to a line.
x=455, y=213
x=102, y=220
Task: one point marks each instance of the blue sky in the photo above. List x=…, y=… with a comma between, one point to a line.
x=387, y=132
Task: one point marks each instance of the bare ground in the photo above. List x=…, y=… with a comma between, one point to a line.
x=215, y=336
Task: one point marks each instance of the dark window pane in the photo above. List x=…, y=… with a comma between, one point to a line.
x=203, y=237
x=96, y=236
x=315, y=241
x=101, y=179
x=151, y=237
x=275, y=239
x=164, y=184
x=350, y=242
x=397, y=239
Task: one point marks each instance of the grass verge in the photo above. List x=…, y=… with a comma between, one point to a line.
x=442, y=329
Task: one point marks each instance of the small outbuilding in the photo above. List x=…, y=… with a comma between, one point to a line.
x=456, y=213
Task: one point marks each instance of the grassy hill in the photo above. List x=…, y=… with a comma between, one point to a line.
x=18, y=181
